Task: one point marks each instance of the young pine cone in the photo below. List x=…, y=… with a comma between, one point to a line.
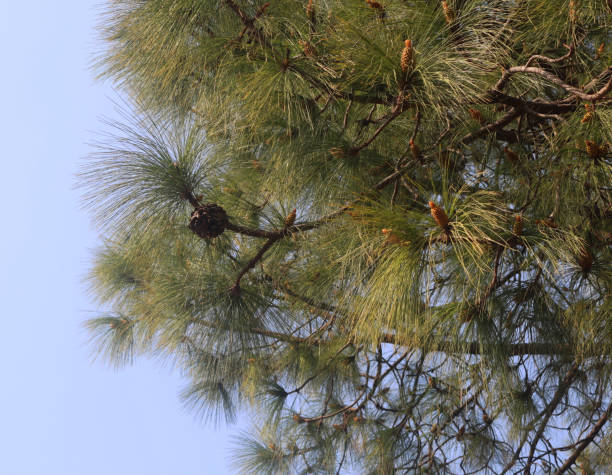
x=290, y=219
x=407, y=53
x=517, y=228
x=588, y=115
x=439, y=215
x=449, y=14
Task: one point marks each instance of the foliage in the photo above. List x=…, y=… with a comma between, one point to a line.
x=373, y=331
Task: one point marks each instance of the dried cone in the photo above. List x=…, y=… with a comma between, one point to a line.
x=290, y=219
x=415, y=150
x=208, y=221
x=477, y=116
x=449, y=14
x=439, y=215
x=406, y=60
x=517, y=228
x=512, y=155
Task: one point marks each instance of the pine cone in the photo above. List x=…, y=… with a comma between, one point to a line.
x=208, y=221
x=588, y=114
x=406, y=61
x=517, y=228
x=439, y=215
x=449, y=14
x=290, y=219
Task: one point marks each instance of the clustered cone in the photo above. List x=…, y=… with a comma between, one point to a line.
x=406, y=60
x=438, y=214
x=208, y=221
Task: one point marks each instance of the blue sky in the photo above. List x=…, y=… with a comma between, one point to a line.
x=59, y=412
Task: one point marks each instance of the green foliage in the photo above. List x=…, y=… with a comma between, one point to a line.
x=440, y=302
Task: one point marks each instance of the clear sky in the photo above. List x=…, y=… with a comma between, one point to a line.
x=61, y=414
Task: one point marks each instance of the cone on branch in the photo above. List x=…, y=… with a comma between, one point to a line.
x=407, y=56
x=208, y=221
x=439, y=216
x=517, y=228
x=290, y=219
x=588, y=115
x=449, y=14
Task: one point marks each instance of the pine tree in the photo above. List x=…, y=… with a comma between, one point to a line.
x=272, y=227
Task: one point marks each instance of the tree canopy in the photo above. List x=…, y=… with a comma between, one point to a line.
x=385, y=229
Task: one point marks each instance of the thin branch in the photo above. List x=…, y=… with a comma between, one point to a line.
x=583, y=445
